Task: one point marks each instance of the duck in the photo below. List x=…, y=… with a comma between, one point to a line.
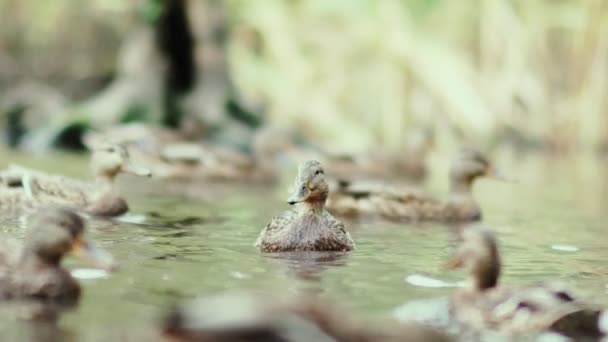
x=26, y=188
x=405, y=203
x=307, y=226
x=408, y=163
x=170, y=156
x=33, y=271
x=483, y=304
x=256, y=316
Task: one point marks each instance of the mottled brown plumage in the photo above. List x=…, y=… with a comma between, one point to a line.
x=33, y=271
x=408, y=204
x=171, y=156
x=308, y=226
x=484, y=304
x=26, y=188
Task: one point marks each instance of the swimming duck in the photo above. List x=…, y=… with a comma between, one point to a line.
x=484, y=304
x=248, y=316
x=33, y=271
x=174, y=158
x=407, y=163
x=24, y=187
x=308, y=226
x=408, y=204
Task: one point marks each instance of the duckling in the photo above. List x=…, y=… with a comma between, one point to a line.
x=408, y=204
x=308, y=226
x=24, y=187
x=247, y=316
x=34, y=271
x=484, y=304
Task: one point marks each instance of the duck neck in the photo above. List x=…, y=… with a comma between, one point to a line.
x=33, y=261
x=485, y=276
x=459, y=186
x=315, y=207
x=105, y=183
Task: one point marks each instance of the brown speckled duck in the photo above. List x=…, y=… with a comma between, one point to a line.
x=245, y=316
x=26, y=188
x=407, y=204
x=308, y=226
x=33, y=271
x=483, y=304
x=174, y=158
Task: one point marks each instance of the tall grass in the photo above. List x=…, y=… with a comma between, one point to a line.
x=360, y=72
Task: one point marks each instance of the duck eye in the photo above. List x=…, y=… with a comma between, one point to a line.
x=318, y=172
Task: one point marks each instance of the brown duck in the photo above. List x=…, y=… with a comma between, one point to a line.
x=33, y=271
x=172, y=157
x=408, y=163
x=308, y=226
x=407, y=204
x=246, y=316
x=484, y=304
x=26, y=188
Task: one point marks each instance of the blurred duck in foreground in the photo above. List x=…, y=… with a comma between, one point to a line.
x=34, y=272
x=484, y=305
x=232, y=317
x=172, y=157
x=408, y=163
x=407, y=204
x=25, y=188
x=308, y=226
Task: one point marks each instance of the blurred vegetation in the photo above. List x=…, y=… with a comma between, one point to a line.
x=353, y=72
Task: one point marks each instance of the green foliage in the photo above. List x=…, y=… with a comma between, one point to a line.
x=152, y=10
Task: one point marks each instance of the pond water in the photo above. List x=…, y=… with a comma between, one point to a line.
x=551, y=225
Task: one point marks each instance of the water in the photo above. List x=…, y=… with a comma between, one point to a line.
x=202, y=242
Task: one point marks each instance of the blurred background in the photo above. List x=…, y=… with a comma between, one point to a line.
x=350, y=74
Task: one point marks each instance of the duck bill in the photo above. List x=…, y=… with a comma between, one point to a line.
x=136, y=170
x=299, y=195
x=89, y=252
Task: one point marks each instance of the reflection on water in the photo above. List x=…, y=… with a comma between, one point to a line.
x=203, y=243
x=308, y=266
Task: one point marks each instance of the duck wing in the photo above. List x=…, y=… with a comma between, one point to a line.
x=270, y=237
x=378, y=198
x=339, y=232
x=48, y=186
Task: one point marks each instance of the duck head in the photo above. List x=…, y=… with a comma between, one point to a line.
x=469, y=165
x=56, y=232
x=108, y=160
x=310, y=186
x=477, y=253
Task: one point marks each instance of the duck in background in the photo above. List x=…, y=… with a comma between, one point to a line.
x=308, y=226
x=248, y=316
x=406, y=204
x=170, y=157
x=22, y=188
x=408, y=163
x=33, y=271
x=485, y=305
